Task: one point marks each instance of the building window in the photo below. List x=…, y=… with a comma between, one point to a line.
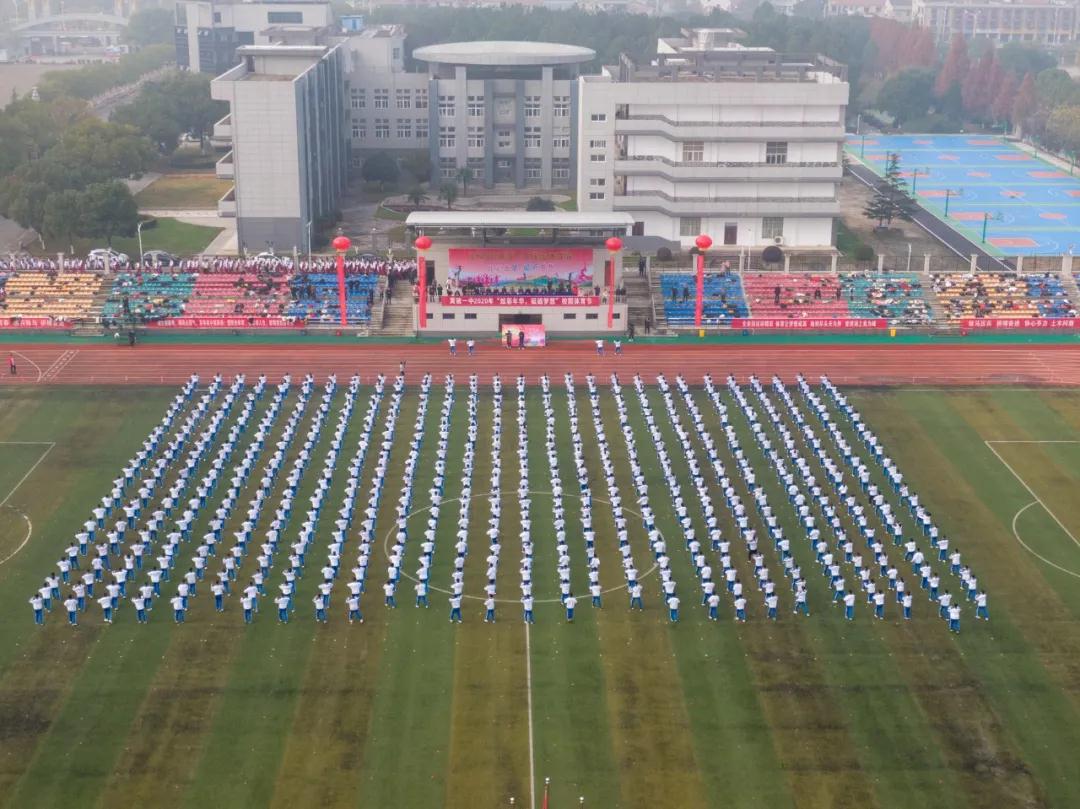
x=404, y=128
x=382, y=128
x=358, y=98
x=561, y=108
x=285, y=17
x=532, y=174
x=404, y=99
x=446, y=106
x=596, y=195
x=470, y=315
x=693, y=151
x=504, y=139
x=356, y=161
x=476, y=137
x=560, y=173
x=598, y=117
x=597, y=158
x=476, y=106
x=597, y=182
x=772, y=227
x=382, y=99
x=395, y=54
x=597, y=144
x=476, y=166
x=358, y=132
x=532, y=106
x=569, y=315
x=447, y=168
x=421, y=100
x=447, y=136
x=775, y=152
x=448, y=315
x=422, y=128
x=689, y=226
x=561, y=142
x=532, y=137
x=592, y=316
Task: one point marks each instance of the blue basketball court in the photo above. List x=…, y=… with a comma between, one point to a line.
x=1029, y=206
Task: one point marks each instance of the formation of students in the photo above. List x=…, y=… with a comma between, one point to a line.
x=830, y=514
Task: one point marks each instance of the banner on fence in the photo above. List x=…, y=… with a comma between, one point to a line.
x=1035, y=323
x=535, y=334
x=808, y=323
x=523, y=301
x=225, y=322
x=32, y=323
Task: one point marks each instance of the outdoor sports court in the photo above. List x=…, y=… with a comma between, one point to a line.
x=1034, y=206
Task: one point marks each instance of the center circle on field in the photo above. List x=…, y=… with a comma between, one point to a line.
x=502, y=494
x=15, y=530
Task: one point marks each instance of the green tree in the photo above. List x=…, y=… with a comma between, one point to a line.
x=62, y=217
x=109, y=210
x=539, y=204
x=465, y=176
x=1021, y=58
x=908, y=94
x=151, y=26
x=380, y=168
x=448, y=192
x=1063, y=129
x=891, y=199
x=417, y=196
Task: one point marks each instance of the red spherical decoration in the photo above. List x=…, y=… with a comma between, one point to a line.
x=423, y=243
x=703, y=242
x=341, y=243
x=614, y=244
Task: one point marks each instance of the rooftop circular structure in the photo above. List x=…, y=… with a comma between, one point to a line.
x=504, y=54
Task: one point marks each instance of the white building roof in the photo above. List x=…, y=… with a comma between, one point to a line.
x=504, y=53
x=581, y=220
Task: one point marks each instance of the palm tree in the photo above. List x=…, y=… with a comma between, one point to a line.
x=465, y=175
x=449, y=192
x=417, y=196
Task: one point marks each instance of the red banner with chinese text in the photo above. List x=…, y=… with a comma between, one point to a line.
x=809, y=323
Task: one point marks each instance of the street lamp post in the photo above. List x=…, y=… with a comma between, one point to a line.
x=309, y=245
x=138, y=232
x=915, y=175
x=949, y=194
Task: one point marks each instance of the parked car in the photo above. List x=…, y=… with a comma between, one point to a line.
x=159, y=258
x=110, y=257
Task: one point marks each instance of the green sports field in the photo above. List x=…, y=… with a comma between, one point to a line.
x=622, y=708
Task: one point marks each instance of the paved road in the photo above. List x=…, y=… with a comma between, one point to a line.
x=955, y=241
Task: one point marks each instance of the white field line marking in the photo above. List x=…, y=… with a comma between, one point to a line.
x=1053, y=516
x=37, y=463
x=62, y=362
x=1030, y=550
x=36, y=366
x=29, y=531
x=532, y=754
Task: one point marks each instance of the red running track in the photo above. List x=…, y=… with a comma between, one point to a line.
x=845, y=364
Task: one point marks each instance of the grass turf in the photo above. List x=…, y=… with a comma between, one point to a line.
x=183, y=191
x=627, y=710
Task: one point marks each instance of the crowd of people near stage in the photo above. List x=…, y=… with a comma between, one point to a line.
x=221, y=500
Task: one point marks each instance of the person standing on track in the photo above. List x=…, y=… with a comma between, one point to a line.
x=13, y=369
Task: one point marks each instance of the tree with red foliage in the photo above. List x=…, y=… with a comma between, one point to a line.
x=1002, y=108
x=1025, y=102
x=955, y=69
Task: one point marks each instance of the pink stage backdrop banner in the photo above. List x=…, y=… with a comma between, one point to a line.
x=534, y=267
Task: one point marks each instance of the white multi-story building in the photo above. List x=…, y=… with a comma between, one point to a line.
x=289, y=154
x=1050, y=22
x=743, y=144
x=503, y=110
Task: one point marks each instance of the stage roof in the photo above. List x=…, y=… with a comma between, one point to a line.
x=569, y=220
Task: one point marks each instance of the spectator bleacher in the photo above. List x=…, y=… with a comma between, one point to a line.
x=898, y=297
x=150, y=295
x=65, y=296
x=723, y=297
x=1001, y=294
x=315, y=297
x=218, y=294
x=795, y=295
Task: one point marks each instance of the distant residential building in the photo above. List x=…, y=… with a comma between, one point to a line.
x=743, y=144
x=207, y=33
x=1049, y=22
x=898, y=10
x=855, y=8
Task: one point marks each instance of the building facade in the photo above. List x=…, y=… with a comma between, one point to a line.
x=289, y=156
x=207, y=34
x=1048, y=22
x=743, y=144
x=503, y=110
